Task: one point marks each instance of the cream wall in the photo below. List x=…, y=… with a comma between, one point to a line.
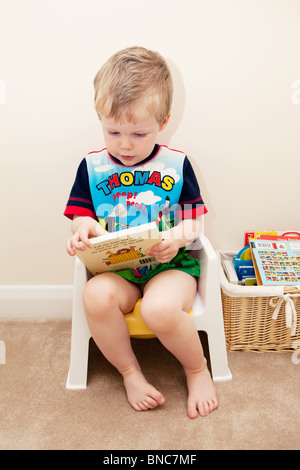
x=235, y=113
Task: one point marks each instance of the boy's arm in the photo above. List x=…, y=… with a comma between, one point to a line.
x=177, y=237
x=83, y=228
x=186, y=231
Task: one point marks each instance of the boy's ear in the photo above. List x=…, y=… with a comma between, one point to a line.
x=165, y=122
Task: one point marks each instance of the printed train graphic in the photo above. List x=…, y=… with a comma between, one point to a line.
x=125, y=254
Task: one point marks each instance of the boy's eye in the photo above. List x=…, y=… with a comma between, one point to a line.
x=113, y=133
x=139, y=135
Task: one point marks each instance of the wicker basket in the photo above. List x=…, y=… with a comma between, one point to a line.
x=259, y=318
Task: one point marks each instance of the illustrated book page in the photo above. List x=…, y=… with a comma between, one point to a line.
x=125, y=249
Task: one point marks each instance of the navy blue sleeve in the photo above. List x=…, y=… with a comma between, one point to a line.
x=80, y=200
x=191, y=202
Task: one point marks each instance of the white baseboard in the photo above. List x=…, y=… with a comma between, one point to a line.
x=36, y=301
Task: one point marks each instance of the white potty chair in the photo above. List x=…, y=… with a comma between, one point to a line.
x=206, y=311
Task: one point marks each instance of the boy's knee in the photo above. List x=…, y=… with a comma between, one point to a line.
x=158, y=315
x=99, y=295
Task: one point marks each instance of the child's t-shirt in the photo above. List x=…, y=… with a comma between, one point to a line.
x=161, y=188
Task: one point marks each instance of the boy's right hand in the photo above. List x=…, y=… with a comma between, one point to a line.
x=83, y=229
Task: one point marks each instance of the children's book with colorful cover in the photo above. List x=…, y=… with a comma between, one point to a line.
x=125, y=249
x=277, y=260
x=272, y=233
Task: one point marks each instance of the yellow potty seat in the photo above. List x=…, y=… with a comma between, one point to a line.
x=136, y=325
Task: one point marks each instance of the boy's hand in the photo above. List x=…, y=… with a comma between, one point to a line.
x=177, y=237
x=167, y=249
x=84, y=228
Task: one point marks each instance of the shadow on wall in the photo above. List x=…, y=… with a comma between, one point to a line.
x=177, y=110
x=177, y=105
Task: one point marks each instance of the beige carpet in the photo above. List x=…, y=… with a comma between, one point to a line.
x=259, y=408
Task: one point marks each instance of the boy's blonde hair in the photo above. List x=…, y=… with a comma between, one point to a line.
x=133, y=84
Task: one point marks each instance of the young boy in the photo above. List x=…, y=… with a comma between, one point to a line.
x=134, y=181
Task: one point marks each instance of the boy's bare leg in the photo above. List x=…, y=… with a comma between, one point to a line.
x=106, y=298
x=167, y=298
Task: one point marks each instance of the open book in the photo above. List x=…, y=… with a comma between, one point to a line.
x=125, y=249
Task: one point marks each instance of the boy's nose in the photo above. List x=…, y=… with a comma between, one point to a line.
x=126, y=144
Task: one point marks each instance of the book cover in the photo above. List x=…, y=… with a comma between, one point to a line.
x=256, y=234
x=244, y=267
x=262, y=234
x=276, y=262
x=125, y=249
x=278, y=237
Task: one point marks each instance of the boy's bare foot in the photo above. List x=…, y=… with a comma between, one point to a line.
x=141, y=395
x=202, y=397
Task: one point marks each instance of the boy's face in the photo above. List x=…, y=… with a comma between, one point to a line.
x=128, y=142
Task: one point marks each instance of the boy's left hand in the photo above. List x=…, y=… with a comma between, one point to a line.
x=167, y=249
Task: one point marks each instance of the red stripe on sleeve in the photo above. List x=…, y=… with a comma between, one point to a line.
x=80, y=211
x=192, y=213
